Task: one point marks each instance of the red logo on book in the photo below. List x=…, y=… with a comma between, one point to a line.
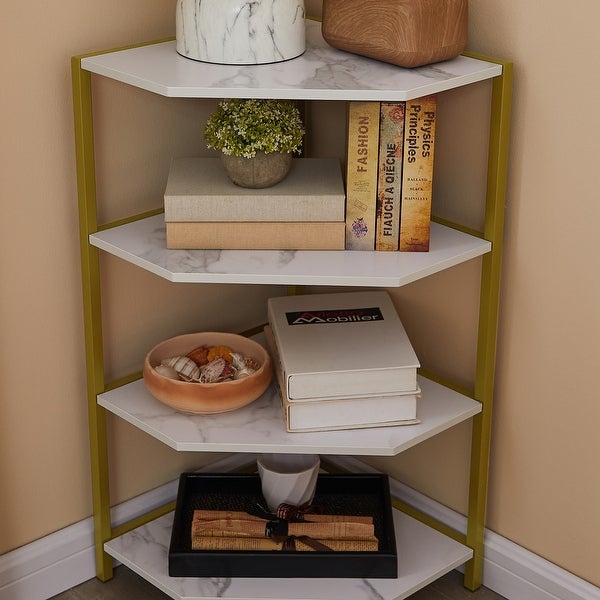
x=323, y=317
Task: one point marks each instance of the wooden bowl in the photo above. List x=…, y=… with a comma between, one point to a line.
x=207, y=398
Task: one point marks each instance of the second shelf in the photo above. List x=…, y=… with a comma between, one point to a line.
x=143, y=243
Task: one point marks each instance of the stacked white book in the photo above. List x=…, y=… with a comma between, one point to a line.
x=204, y=209
x=342, y=361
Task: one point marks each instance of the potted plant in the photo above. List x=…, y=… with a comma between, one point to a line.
x=256, y=138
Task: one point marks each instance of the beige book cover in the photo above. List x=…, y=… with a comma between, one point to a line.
x=295, y=235
x=198, y=189
x=417, y=177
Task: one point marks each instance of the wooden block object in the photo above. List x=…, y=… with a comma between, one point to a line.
x=408, y=33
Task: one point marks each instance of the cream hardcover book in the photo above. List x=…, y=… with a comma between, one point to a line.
x=342, y=345
x=343, y=413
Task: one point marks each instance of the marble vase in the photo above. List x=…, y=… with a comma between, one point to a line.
x=240, y=32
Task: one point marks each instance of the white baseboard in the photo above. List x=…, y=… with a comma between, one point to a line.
x=509, y=569
x=65, y=559
x=62, y=560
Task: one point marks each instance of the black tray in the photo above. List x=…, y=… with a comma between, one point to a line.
x=352, y=494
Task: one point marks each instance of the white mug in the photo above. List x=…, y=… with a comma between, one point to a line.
x=288, y=478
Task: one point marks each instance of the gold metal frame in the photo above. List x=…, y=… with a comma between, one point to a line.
x=486, y=351
x=489, y=303
x=488, y=318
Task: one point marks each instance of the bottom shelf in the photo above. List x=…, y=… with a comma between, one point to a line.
x=424, y=555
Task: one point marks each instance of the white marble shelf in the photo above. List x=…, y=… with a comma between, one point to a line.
x=321, y=73
x=423, y=556
x=143, y=243
x=259, y=426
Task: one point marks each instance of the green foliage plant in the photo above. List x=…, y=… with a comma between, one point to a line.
x=240, y=127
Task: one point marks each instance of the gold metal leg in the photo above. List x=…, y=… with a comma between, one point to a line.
x=488, y=321
x=90, y=271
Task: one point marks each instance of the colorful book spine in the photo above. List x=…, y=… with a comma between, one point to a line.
x=389, y=182
x=361, y=174
x=417, y=176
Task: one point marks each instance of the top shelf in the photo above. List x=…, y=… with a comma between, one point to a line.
x=321, y=73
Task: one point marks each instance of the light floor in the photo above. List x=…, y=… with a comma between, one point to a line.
x=126, y=585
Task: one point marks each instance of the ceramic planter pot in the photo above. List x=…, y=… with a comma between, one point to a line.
x=240, y=32
x=262, y=171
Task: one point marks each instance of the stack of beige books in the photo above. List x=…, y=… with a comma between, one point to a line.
x=204, y=209
x=342, y=361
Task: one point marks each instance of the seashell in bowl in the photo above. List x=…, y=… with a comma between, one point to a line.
x=199, y=355
x=207, y=398
x=185, y=367
x=214, y=370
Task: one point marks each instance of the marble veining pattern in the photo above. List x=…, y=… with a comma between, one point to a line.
x=147, y=547
x=143, y=243
x=423, y=555
x=259, y=427
x=322, y=72
x=240, y=32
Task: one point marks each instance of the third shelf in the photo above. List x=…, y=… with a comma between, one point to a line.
x=259, y=426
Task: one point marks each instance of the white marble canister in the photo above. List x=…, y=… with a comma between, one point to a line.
x=240, y=32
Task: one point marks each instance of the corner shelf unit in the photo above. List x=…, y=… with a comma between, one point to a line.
x=427, y=549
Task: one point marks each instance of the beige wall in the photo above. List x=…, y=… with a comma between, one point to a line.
x=544, y=487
